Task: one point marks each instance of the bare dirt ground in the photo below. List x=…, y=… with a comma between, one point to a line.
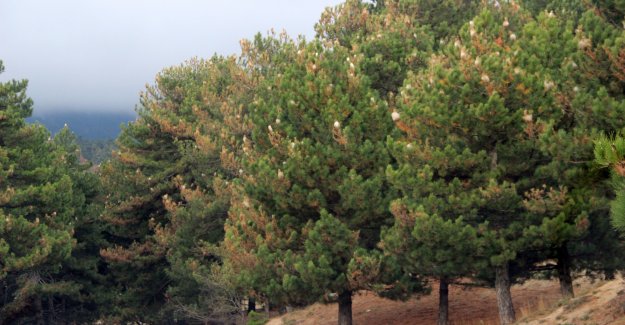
x=536, y=302
x=601, y=304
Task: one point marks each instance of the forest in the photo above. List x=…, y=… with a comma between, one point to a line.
x=466, y=142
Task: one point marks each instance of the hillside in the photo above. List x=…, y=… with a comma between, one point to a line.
x=536, y=302
x=87, y=125
x=602, y=303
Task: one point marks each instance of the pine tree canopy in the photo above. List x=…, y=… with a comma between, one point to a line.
x=409, y=143
x=315, y=120
x=47, y=203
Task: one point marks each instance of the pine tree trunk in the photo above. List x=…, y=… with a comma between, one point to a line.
x=504, y=297
x=564, y=272
x=345, y=308
x=443, y=302
x=251, y=305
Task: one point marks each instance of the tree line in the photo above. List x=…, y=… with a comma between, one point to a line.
x=409, y=142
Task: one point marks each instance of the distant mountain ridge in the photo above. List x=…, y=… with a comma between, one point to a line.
x=87, y=125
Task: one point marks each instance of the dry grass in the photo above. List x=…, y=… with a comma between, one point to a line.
x=537, y=303
x=599, y=303
x=540, y=306
x=467, y=306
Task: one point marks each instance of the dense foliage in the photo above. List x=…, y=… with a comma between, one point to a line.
x=96, y=151
x=410, y=141
x=50, y=233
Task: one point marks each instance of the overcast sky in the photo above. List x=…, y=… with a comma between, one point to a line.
x=98, y=54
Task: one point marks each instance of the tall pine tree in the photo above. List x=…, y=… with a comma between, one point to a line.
x=512, y=87
x=168, y=193
x=44, y=200
x=316, y=194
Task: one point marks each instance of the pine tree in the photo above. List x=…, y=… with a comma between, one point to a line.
x=574, y=228
x=511, y=87
x=466, y=122
x=84, y=269
x=199, y=284
x=168, y=193
x=134, y=181
x=314, y=179
x=430, y=246
x=442, y=246
x=141, y=178
x=40, y=203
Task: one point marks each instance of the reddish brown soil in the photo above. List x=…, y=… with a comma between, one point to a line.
x=601, y=304
x=467, y=306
